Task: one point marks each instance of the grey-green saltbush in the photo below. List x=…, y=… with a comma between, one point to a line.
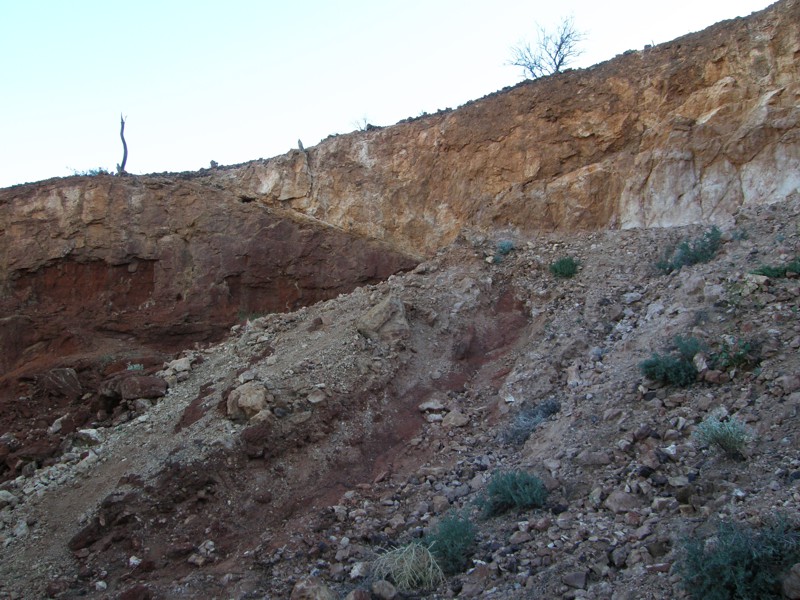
x=512, y=490
x=564, y=267
x=526, y=420
x=674, y=369
x=729, y=435
x=693, y=252
x=453, y=542
x=739, y=562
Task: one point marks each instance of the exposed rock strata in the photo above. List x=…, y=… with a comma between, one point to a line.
x=681, y=133
x=100, y=272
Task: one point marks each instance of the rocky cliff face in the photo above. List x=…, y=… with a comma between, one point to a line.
x=98, y=273
x=687, y=132
x=681, y=133
x=356, y=423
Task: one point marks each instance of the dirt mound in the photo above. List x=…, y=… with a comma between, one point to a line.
x=366, y=441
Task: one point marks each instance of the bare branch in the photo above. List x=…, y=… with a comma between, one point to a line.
x=121, y=167
x=553, y=52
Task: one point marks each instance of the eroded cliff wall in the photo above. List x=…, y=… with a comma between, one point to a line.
x=680, y=133
x=162, y=261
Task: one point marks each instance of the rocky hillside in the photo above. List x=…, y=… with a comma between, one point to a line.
x=681, y=133
x=351, y=410
x=308, y=443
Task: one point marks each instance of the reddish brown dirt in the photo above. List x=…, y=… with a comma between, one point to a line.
x=96, y=315
x=165, y=523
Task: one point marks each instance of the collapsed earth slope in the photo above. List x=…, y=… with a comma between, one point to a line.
x=307, y=441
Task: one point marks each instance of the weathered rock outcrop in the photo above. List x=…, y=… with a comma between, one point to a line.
x=161, y=260
x=99, y=272
x=680, y=133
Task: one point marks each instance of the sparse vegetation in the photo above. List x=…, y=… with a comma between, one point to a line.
x=411, y=567
x=527, y=419
x=729, y=435
x=503, y=248
x=551, y=54
x=453, y=542
x=693, y=252
x=246, y=315
x=564, y=267
x=91, y=172
x=674, y=369
x=512, y=490
x=135, y=367
x=739, y=562
x=779, y=272
x=687, y=347
x=736, y=353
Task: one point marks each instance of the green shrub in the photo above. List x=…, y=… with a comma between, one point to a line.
x=729, y=435
x=503, y=248
x=737, y=353
x=693, y=252
x=135, y=367
x=778, y=272
x=672, y=370
x=739, y=562
x=564, y=267
x=453, y=543
x=411, y=567
x=527, y=419
x=91, y=172
x=512, y=490
x=688, y=347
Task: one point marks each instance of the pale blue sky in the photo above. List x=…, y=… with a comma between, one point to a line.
x=240, y=80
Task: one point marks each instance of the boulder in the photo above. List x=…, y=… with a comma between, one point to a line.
x=312, y=588
x=247, y=400
x=132, y=387
x=791, y=583
x=620, y=502
x=385, y=322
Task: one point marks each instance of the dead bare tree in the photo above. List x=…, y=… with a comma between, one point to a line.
x=551, y=54
x=121, y=167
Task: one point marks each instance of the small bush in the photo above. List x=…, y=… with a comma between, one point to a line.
x=735, y=353
x=730, y=435
x=693, y=252
x=512, y=490
x=739, y=562
x=453, y=543
x=411, y=567
x=778, y=272
x=564, y=267
x=668, y=369
x=503, y=248
x=135, y=367
x=91, y=172
x=671, y=369
x=527, y=419
x=688, y=347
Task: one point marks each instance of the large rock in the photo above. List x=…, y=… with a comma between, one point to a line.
x=247, y=400
x=620, y=502
x=791, y=583
x=129, y=386
x=142, y=386
x=61, y=382
x=386, y=321
x=312, y=588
